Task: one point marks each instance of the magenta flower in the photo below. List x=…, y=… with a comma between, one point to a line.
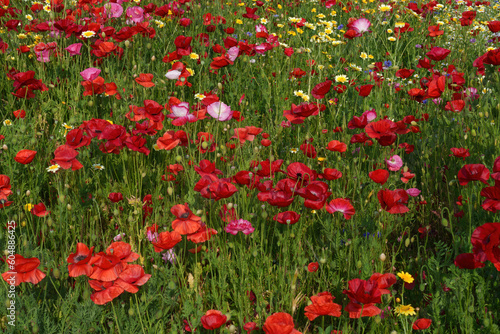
x=413, y=192
x=220, y=111
x=180, y=114
x=394, y=163
x=233, y=53
x=152, y=236
x=135, y=14
x=113, y=10
x=240, y=225
x=74, y=49
x=43, y=56
x=90, y=73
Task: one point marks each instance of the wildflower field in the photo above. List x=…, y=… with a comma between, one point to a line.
x=249, y=166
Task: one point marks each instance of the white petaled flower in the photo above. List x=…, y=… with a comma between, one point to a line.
x=199, y=96
x=7, y=122
x=392, y=39
x=98, y=166
x=88, y=34
x=341, y=78
x=298, y=93
x=263, y=21
x=384, y=8
x=53, y=168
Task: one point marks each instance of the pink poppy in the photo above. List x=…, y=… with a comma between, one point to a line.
x=113, y=10
x=240, y=225
x=220, y=111
x=233, y=53
x=135, y=14
x=361, y=26
x=394, y=163
x=74, y=49
x=173, y=74
x=90, y=73
x=180, y=114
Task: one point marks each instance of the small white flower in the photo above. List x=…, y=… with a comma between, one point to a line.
x=53, y=168
x=7, y=122
x=88, y=34
x=98, y=166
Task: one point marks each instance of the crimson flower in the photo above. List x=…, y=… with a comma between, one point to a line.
x=287, y=217
x=363, y=295
x=393, y=201
x=25, y=156
x=187, y=222
x=79, y=261
x=166, y=240
x=213, y=319
x=421, y=324
x=473, y=172
x=40, y=210
x=24, y=270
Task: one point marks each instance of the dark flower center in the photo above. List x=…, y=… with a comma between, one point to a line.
x=185, y=215
x=80, y=257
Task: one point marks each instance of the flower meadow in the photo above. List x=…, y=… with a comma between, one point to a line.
x=250, y=166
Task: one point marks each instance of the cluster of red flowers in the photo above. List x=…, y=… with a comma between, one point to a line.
x=485, y=247
x=110, y=272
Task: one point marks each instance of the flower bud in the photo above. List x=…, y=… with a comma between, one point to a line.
x=382, y=257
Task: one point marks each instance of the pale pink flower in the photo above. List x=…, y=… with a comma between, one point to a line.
x=220, y=111
x=90, y=73
x=180, y=114
x=74, y=49
x=361, y=25
x=43, y=56
x=370, y=115
x=240, y=225
x=173, y=74
x=233, y=53
x=394, y=163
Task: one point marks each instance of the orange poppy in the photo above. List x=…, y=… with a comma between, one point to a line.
x=186, y=222
x=25, y=270
x=132, y=277
x=79, y=261
x=105, y=291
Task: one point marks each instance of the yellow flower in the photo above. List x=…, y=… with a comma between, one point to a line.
x=7, y=122
x=53, y=168
x=28, y=207
x=321, y=159
x=363, y=55
x=238, y=21
x=292, y=33
x=341, y=78
x=384, y=8
x=392, y=39
x=88, y=34
x=405, y=310
x=405, y=277
x=194, y=56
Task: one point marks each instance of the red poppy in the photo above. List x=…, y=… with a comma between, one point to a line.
x=213, y=319
x=202, y=235
x=342, y=205
x=468, y=261
x=76, y=139
x=421, y=324
x=25, y=156
x=434, y=31
x=297, y=114
x=364, y=90
x=393, y=201
x=250, y=327
x=320, y=90
x=218, y=190
x=436, y=87
x=5, y=186
x=65, y=157
x=363, y=295
x=39, y=210
x=166, y=240
x=322, y=304
x=79, y=261
x=336, y=146
x=404, y=73
x=279, y=323
x=308, y=150
x=460, y=152
x=268, y=169
x=24, y=270
x=123, y=251
x=379, y=176
x=168, y=141
x=437, y=53
x=381, y=129
x=313, y=267
x=331, y=174
x=250, y=13
x=115, y=197
x=144, y=80
x=132, y=277
x=297, y=171
x=287, y=217
x=315, y=194
x=19, y=113
x=384, y=281
x=486, y=242
x=494, y=26
x=105, y=291
x=492, y=201
x=473, y=172
x=107, y=267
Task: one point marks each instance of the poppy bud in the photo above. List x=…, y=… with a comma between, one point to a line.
x=68, y=207
x=148, y=45
x=90, y=103
x=153, y=58
x=444, y=222
x=219, y=85
x=56, y=273
x=170, y=191
x=382, y=257
x=131, y=312
x=127, y=43
x=28, y=192
x=4, y=147
x=407, y=242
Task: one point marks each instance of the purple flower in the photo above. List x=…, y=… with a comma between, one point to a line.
x=169, y=256
x=413, y=192
x=240, y=225
x=119, y=237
